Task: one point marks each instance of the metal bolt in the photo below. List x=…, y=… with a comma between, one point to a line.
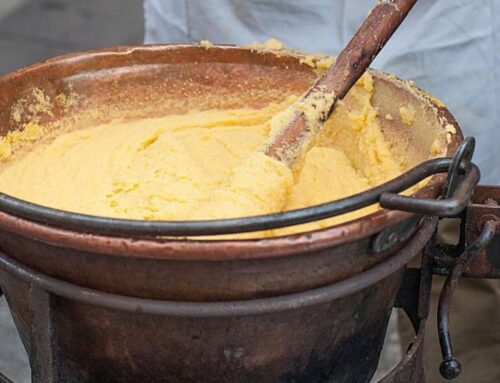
x=485, y=218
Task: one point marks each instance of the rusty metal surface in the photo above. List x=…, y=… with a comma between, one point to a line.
x=105, y=338
x=485, y=206
x=409, y=370
x=190, y=270
x=221, y=309
x=102, y=345
x=477, y=255
x=450, y=368
x=202, y=271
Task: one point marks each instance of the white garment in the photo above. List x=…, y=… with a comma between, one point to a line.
x=450, y=48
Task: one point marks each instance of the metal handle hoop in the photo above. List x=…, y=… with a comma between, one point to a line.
x=463, y=177
x=383, y=194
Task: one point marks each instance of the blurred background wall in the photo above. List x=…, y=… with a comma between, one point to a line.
x=34, y=30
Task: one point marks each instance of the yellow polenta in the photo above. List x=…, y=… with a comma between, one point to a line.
x=203, y=164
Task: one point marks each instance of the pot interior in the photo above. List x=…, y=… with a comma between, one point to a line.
x=82, y=90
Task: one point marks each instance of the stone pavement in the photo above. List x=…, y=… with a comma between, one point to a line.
x=34, y=30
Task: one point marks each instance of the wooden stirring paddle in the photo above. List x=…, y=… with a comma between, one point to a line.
x=289, y=141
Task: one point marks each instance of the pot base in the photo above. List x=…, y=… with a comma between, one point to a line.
x=331, y=334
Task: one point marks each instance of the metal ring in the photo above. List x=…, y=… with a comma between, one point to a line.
x=140, y=228
x=231, y=308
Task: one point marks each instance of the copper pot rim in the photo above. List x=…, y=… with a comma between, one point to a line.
x=217, y=249
x=256, y=306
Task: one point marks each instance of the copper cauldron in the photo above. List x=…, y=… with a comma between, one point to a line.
x=236, y=309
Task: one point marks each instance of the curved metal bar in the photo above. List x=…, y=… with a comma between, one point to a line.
x=463, y=177
x=128, y=227
x=459, y=165
x=230, y=308
x=450, y=368
x=448, y=207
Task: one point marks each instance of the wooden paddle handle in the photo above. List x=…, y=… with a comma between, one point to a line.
x=350, y=65
x=368, y=41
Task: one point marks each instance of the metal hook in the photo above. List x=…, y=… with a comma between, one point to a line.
x=459, y=164
x=450, y=367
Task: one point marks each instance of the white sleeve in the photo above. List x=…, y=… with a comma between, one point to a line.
x=312, y=25
x=450, y=48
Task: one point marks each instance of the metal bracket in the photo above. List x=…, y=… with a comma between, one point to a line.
x=395, y=235
x=450, y=368
x=485, y=206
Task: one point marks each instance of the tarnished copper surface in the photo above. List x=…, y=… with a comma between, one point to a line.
x=314, y=336
x=197, y=270
x=485, y=206
x=138, y=81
